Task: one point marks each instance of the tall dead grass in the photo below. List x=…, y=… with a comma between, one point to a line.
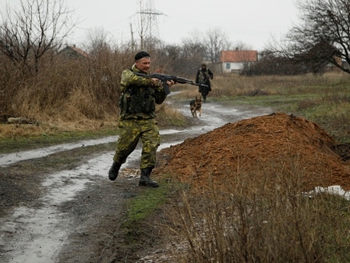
x=80, y=91
x=65, y=92
x=256, y=219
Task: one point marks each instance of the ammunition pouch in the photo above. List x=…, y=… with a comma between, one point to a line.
x=138, y=100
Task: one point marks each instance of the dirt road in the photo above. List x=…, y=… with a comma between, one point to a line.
x=57, y=204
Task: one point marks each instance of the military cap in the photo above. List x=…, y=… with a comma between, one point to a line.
x=141, y=54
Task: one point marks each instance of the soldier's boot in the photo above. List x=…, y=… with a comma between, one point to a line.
x=113, y=171
x=145, y=179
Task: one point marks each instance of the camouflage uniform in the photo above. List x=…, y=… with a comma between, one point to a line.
x=137, y=106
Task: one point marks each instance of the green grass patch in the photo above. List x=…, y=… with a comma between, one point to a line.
x=13, y=144
x=281, y=102
x=144, y=204
x=146, y=212
x=150, y=200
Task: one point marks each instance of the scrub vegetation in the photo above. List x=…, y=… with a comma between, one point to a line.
x=49, y=97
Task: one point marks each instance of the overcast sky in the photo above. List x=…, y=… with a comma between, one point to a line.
x=252, y=22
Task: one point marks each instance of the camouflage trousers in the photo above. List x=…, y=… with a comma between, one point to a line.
x=130, y=132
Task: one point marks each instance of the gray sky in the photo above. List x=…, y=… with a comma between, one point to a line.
x=252, y=22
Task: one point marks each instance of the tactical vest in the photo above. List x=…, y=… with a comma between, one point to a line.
x=203, y=76
x=136, y=99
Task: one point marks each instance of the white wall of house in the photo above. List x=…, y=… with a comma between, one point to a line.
x=228, y=67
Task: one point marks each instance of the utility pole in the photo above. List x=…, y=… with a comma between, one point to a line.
x=133, y=46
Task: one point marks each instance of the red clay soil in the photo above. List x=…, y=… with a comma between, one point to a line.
x=276, y=144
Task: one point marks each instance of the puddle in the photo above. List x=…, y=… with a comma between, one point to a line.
x=8, y=159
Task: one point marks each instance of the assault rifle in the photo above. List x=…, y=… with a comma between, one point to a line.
x=164, y=78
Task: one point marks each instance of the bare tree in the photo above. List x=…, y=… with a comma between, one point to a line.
x=215, y=41
x=36, y=28
x=97, y=40
x=193, y=54
x=239, y=45
x=194, y=49
x=325, y=32
x=179, y=60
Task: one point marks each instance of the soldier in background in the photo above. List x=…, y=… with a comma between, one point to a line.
x=137, y=118
x=204, y=75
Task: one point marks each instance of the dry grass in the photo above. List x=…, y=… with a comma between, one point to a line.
x=256, y=221
x=235, y=85
x=168, y=116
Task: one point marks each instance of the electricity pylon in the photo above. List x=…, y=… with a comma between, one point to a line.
x=148, y=22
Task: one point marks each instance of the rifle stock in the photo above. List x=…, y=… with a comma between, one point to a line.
x=164, y=78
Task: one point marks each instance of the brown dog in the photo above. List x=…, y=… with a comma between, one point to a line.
x=196, y=105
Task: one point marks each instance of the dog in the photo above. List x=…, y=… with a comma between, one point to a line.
x=196, y=105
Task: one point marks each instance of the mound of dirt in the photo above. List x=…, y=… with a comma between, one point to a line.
x=276, y=144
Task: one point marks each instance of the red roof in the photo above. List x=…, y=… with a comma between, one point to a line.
x=239, y=56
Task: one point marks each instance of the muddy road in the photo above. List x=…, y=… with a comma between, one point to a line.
x=58, y=205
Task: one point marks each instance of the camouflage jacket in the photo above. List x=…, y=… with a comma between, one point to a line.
x=139, y=96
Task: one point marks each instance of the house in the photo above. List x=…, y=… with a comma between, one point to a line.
x=233, y=61
x=73, y=52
